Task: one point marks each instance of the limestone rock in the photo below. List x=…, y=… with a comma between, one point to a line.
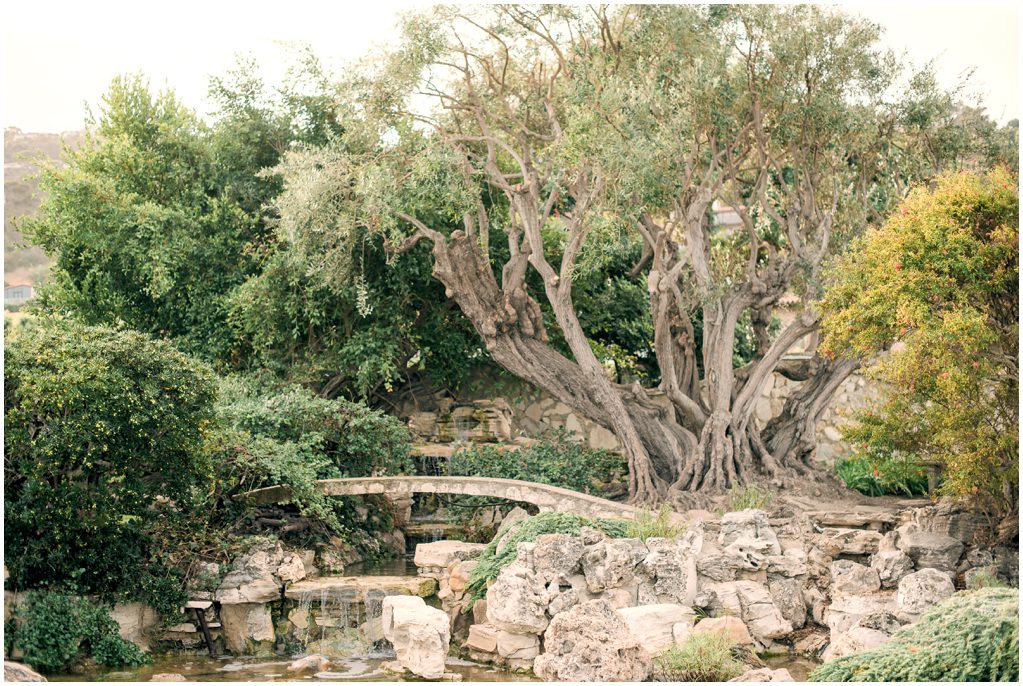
x=920, y=590
x=310, y=663
x=846, y=610
x=608, y=564
x=482, y=638
x=134, y=621
x=856, y=640
x=730, y=627
x=852, y=541
x=748, y=530
x=718, y=567
x=848, y=577
x=517, y=646
x=563, y=601
x=252, y=578
x=753, y=603
x=590, y=642
x=928, y=549
x=247, y=627
x=791, y=564
x=517, y=601
x=419, y=634
x=787, y=594
x=443, y=553
x=653, y=625
x=556, y=556
x=765, y=674
x=891, y=566
x=671, y=565
x=291, y=569
x=15, y=671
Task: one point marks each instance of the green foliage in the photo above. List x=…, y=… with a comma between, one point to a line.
x=875, y=473
x=138, y=227
x=650, y=525
x=104, y=435
x=557, y=460
x=972, y=636
x=270, y=435
x=747, y=497
x=940, y=279
x=490, y=562
x=54, y=631
x=702, y=657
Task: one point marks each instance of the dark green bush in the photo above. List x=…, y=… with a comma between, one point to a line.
x=557, y=461
x=54, y=631
x=490, y=562
x=972, y=636
x=877, y=472
x=104, y=434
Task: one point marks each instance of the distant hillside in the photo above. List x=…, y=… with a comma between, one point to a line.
x=22, y=152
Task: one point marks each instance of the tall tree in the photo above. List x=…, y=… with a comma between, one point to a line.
x=560, y=131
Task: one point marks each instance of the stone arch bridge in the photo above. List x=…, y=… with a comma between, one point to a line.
x=546, y=498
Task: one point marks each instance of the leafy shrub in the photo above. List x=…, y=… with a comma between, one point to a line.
x=649, y=525
x=104, y=435
x=877, y=472
x=53, y=631
x=557, y=460
x=490, y=562
x=703, y=657
x=747, y=497
x=972, y=636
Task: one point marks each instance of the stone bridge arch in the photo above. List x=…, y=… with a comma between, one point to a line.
x=546, y=498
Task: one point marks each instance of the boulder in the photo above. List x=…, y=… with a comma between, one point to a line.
x=928, y=549
x=856, y=640
x=590, y=642
x=482, y=638
x=419, y=634
x=730, y=627
x=851, y=541
x=310, y=663
x=748, y=531
x=517, y=646
x=556, y=556
x=134, y=622
x=848, y=577
x=247, y=627
x=670, y=565
x=891, y=566
x=443, y=553
x=608, y=564
x=15, y=671
x=517, y=601
x=654, y=625
x=846, y=610
x=752, y=602
x=919, y=591
x=787, y=595
x=765, y=674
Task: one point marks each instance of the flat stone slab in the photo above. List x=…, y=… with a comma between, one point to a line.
x=198, y=604
x=358, y=588
x=443, y=553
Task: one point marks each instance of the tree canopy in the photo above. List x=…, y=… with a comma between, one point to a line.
x=524, y=145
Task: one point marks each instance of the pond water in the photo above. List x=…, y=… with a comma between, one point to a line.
x=201, y=668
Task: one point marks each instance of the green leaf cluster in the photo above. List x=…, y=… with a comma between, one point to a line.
x=104, y=435
x=875, y=472
x=54, y=631
x=972, y=636
x=937, y=286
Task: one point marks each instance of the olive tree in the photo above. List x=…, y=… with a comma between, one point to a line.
x=551, y=134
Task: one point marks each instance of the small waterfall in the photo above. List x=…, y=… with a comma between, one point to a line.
x=333, y=619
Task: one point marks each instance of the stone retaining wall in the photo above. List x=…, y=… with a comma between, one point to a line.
x=513, y=410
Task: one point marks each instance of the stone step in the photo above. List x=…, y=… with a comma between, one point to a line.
x=198, y=605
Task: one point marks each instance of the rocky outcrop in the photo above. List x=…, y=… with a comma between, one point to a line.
x=590, y=642
x=920, y=590
x=419, y=634
x=15, y=671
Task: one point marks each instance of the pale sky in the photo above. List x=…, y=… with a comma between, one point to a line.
x=60, y=55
